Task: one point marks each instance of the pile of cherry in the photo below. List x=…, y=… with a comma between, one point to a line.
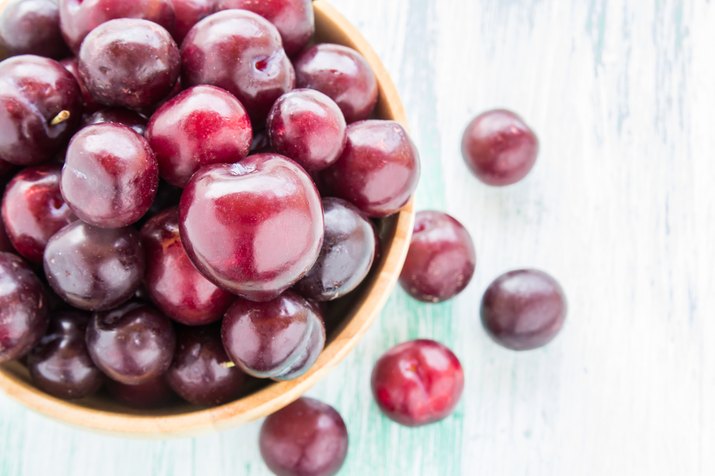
x=184, y=196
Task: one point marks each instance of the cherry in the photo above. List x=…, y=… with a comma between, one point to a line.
x=378, y=170
x=417, y=382
x=265, y=212
x=32, y=27
x=155, y=393
x=202, y=125
x=88, y=102
x=523, y=309
x=499, y=148
x=189, y=13
x=125, y=117
x=441, y=259
x=306, y=438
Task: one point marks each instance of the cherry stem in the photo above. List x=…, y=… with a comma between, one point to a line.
x=60, y=118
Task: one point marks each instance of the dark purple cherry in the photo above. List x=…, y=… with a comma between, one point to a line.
x=60, y=364
x=32, y=27
x=279, y=339
x=378, y=170
x=94, y=268
x=133, y=344
x=441, y=259
x=306, y=438
x=125, y=117
x=110, y=175
x=242, y=53
x=201, y=126
x=33, y=210
x=189, y=13
x=523, y=309
x=253, y=228
x=129, y=63
x=40, y=108
x=349, y=249
x=155, y=393
x=499, y=148
x=342, y=74
x=88, y=102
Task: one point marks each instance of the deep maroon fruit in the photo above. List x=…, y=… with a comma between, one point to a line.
x=523, y=309
x=174, y=284
x=441, y=259
x=40, y=107
x=23, y=308
x=202, y=373
x=94, y=268
x=241, y=52
x=79, y=17
x=88, y=102
x=60, y=364
x=279, y=339
x=129, y=63
x=110, y=175
x=307, y=126
x=306, y=438
x=33, y=210
x=189, y=13
x=131, y=119
x=265, y=213
x=341, y=73
x=499, y=147
x=154, y=393
x=349, y=249
x=294, y=19
x=417, y=382
x=201, y=126
x=132, y=344
x=32, y=27
x=378, y=170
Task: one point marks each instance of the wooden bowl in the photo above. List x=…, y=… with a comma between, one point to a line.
x=101, y=414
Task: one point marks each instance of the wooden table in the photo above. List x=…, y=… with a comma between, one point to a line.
x=619, y=208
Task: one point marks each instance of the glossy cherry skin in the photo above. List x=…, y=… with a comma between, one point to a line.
x=88, y=102
x=23, y=308
x=94, y=268
x=379, y=169
x=154, y=393
x=110, y=176
x=31, y=27
x=174, y=284
x=265, y=212
x=279, y=339
x=202, y=374
x=60, y=364
x=499, y=148
x=342, y=74
x=133, y=344
x=294, y=19
x=125, y=117
x=189, y=13
x=203, y=125
x=349, y=249
x=79, y=17
x=417, y=382
x=441, y=259
x=40, y=108
x=242, y=53
x=523, y=309
x=307, y=126
x=306, y=438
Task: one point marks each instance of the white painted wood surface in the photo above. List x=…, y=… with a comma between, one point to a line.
x=620, y=208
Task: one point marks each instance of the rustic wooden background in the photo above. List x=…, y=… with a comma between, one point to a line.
x=619, y=208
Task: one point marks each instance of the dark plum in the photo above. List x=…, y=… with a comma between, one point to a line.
x=189, y=13
x=125, y=117
x=110, y=176
x=378, y=170
x=174, y=284
x=499, y=148
x=60, y=364
x=88, y=102
x=349, y=249
x=417, y=382
x=33, y=210
x=129, y=63
x=342, y=74
x=132, y=344
x=32, y=27
x=306, y=438
x=242, y=53
x=441, y=259
x=201, y=126
x=94, y=268
x=279, y=339
x=523, y=309
x=155, y=393
x=265, y=212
